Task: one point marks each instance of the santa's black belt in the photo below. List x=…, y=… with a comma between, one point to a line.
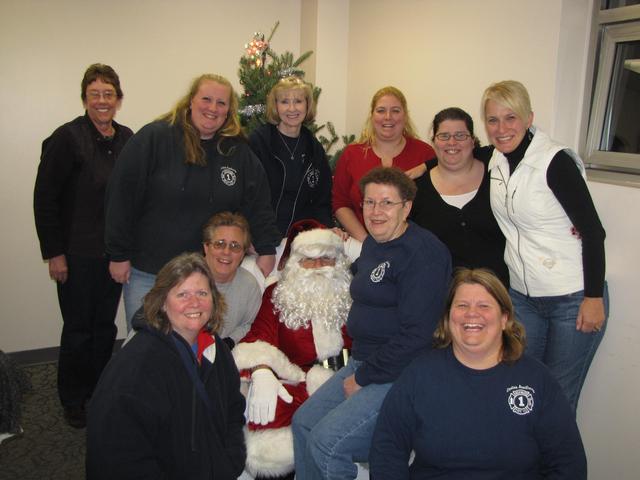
x=337, y=362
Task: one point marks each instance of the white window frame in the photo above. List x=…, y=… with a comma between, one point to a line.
x=615, y=26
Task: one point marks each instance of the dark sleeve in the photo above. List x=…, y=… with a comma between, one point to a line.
x=556, y=433
x=570, y=188
x=122, y=434
x=257, y=208
x=52, y=181
x=125, y=194
x=421, y=292
x=234, y=439
x=391, y=444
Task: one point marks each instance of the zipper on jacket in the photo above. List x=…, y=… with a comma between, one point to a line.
x=284, y=178
x=295, y=203
x=193, y=419
x=506, y=204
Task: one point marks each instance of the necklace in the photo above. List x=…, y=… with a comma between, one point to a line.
x=291, y=152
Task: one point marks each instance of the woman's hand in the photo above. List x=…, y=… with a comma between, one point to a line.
x=350, y=385
x=344, y=236
x=591, y=315
x=120, y=271
x=266, y=264
x=58, y=270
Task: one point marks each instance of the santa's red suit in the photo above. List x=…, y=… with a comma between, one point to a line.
x=293, y=357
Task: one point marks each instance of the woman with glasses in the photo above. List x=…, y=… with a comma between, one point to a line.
x=399, y=285
x=68, y=203
x=453, y=196
x=387, y=140
x=174, y=174
x=226, y=238
x=555, y=241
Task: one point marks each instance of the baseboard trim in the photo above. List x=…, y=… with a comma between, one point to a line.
x=45, y=355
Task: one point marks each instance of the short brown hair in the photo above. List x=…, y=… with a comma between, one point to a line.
x=100, y=71
x=390, y=176
x=227, y=219
x=176, y=271
x=513, y=335
x=284, y=85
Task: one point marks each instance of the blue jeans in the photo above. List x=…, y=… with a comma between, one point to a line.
x=133, y=292
x=552, y=338
x=331, y=432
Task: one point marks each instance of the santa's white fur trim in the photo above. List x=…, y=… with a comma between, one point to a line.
x=269, y=452
x=249, y=355
x=316, y=376
x=317, y=243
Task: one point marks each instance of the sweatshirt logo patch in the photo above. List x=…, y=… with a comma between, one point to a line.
x=228, y=176
x=377, y=274
x=313, y=177
x=520, y=399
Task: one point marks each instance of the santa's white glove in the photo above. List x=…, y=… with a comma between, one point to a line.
x=263, y=396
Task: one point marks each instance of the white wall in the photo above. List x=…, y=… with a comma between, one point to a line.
x=443, y=53
x=440, y=53
x=156, y=46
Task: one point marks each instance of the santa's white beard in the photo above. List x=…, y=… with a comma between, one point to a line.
x=318, y=294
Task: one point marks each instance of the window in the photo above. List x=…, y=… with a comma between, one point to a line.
x=613, y=139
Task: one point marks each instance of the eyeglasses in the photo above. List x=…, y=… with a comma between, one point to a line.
x=95, y=95
x=459, y=136
x=234, y=246
x=308, y=262
x=383, y=205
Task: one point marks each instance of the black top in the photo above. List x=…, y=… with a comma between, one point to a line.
x=300, y=188
x=471, y=233
x=569, y=187
x=157, y=204
x=68, y=199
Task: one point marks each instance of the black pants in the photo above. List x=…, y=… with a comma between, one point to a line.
x=89, y=303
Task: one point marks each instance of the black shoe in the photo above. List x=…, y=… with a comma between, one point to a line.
x=75, y=417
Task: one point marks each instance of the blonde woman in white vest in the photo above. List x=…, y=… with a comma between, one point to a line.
x=554, y=238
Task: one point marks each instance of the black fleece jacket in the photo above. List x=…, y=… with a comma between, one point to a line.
x=314, y=192
x=147, y=419
x=157, y=204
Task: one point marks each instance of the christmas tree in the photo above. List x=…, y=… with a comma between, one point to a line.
x=260, y=69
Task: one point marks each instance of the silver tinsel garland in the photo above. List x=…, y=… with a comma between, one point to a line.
x=251, y=110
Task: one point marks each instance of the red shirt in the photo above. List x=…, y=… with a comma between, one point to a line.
x=357, y=159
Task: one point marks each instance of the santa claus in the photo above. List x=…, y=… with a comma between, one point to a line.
x=299, y=326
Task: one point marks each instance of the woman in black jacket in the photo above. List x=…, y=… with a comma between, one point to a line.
x=168, y=406
x=295, y=162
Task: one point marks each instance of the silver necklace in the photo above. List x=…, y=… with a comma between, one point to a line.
x=291, y=152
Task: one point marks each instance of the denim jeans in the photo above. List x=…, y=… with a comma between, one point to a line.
x=331, y=432
x=552, y=338
x=133, y=292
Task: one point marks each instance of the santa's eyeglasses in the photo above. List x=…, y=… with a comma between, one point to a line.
x=234, y=246
x=309, y=262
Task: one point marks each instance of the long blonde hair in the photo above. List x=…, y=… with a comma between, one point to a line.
x=368, y=135
x=180, y=115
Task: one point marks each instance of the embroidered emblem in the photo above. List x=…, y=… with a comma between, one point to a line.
x=521, y=399
x=313, y=177
x=228, y=176
x=377, y=274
